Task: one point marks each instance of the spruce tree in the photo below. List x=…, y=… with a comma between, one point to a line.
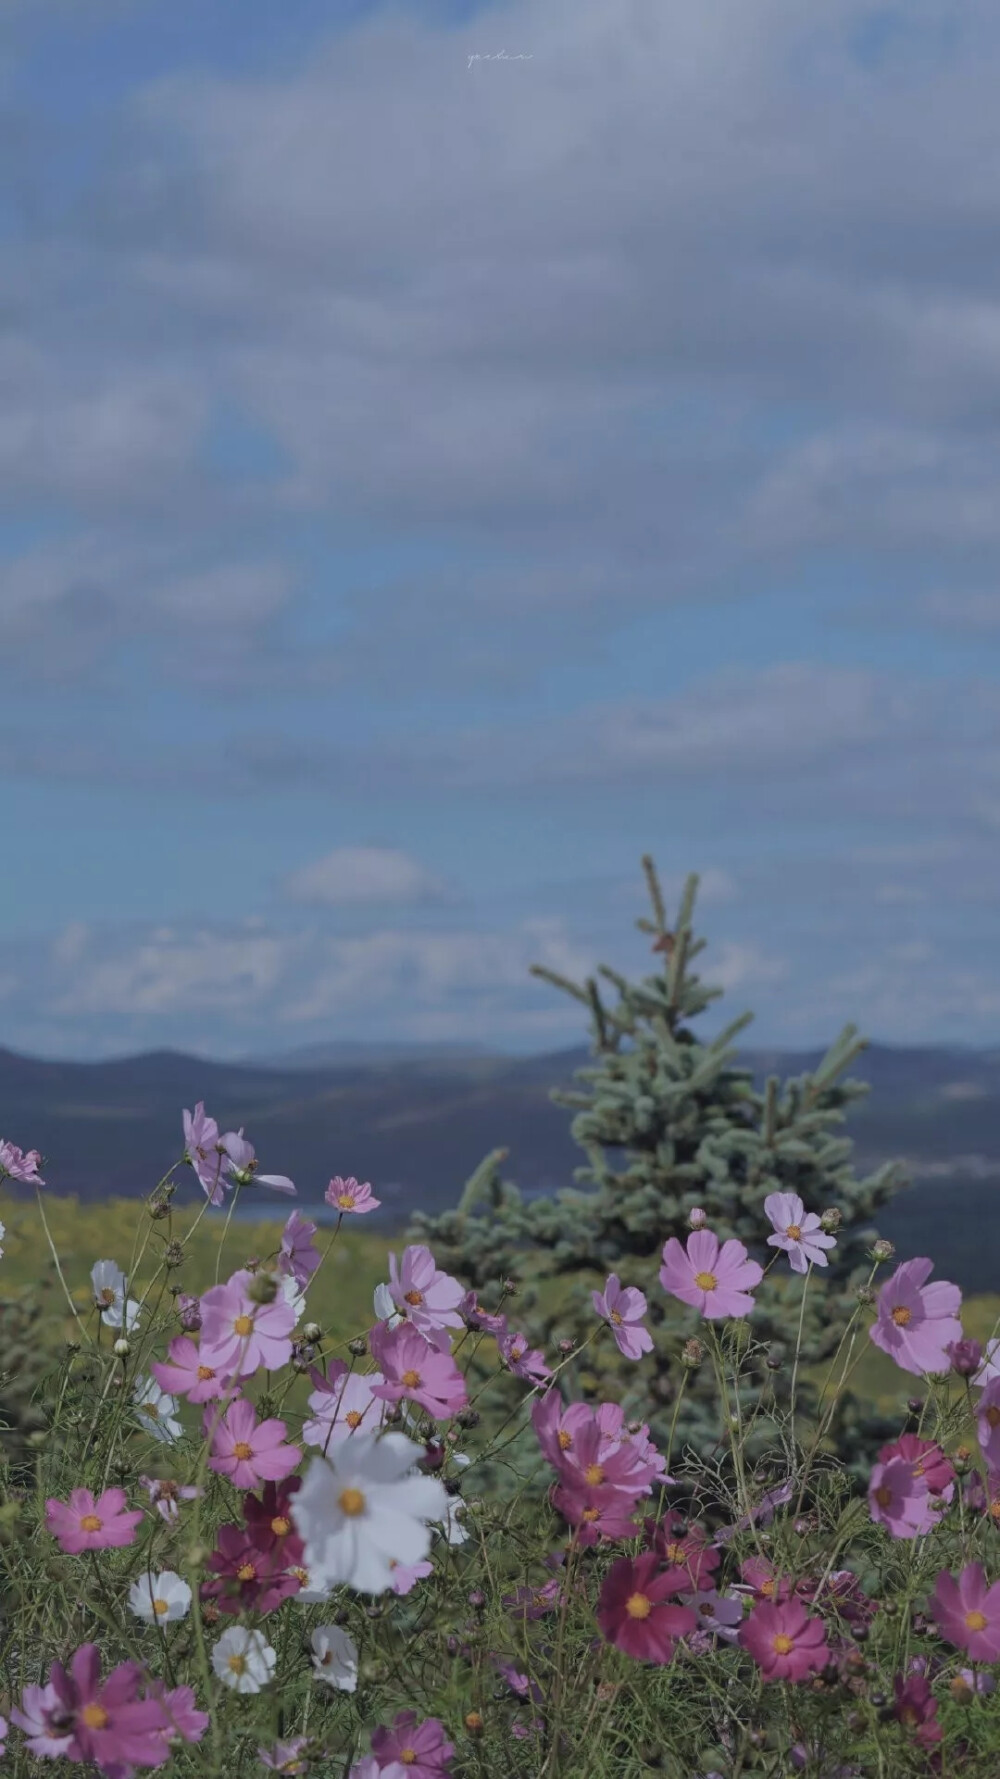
x=668, y=1124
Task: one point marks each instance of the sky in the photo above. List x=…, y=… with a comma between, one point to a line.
x=448, y=450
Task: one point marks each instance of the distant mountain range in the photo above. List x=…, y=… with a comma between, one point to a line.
x=416, y=1121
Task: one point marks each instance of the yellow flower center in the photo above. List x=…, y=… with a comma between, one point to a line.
x=414, y=1298
x=243, y=1326
x=767, y=1589
x=795, y=1231
x=411, y=1379
x=883, y=1496
x=237, y=1664
x=590, y=1514
x=781, y=1644
x=246, y=1572
x=150, y=1409
x=638, y=1606
x=564, y=1440
x=706, y=1281
x=94, y=1716
x=301, y=1575
x=353, y=1418
x=242, y=1451
x=616, y=1318
x=901, y=1315
x=993, y=1416
x=107, y=1297
x=281, y=1527
x=351, y=1502
x=160, y=1607
x=408, y=1756
x=90, y=1523
x=594, y=1474
x=204, y=1373
x=346, y=1201
x=976, y=1621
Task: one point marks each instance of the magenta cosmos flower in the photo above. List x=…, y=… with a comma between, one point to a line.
x=182, y=1373
x=248, y=1451
x=784, y=1640
x=413, y=1368
x=916, y=1709
x=420, y=1748
x=239, y=1336
x=916, y=1322
x=85, y=1524
x=350, y=1198
x=717, y=1281
x=15, y=1165
x=968, y=1612
x=524, y=1361
x=910, y=1476
x=623, y=1309
x=426, y=1297
x=108, y=1724
x=297, y=1256
x=634, y=1610
x=798, y=1233
x=203, y=1150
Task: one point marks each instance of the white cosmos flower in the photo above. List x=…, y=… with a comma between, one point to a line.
x=109, y=1284
x=289, y=1290
x=3, y=1232
x=361, y=1506
x=314, y=1590
x=385, y=1308
x=155, y=1411
x=453, y=1529
x=244, y=1659
x=335, y=1658
x=160, y=1599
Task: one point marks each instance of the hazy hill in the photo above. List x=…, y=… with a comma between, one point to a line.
x=415, y=1122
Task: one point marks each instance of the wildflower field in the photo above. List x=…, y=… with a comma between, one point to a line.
x=275, y=1499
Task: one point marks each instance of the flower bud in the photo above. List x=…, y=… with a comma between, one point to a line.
x=477, y=1598
x=566, y=1346
x=263, y=1288
x=966, y=1357
x=122, y=1348
x=830, y=1221
x=174, y=1254
x=692, y=1354
x=358, y=1347
x=883, y=1250
x=468, y=1417
x=159, y=1209
x=960, y=1690
x=474, y=1723
x=865, y=1294
x=697, y=1218
x=511, y=1287
x=312, y=1332
x=915, y=1404
x=189, y=1310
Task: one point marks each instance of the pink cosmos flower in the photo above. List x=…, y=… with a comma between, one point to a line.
x=426, y=1297
x=15, y=1165
x=761, y=1578
x=916, y=1708
x=269, y=1516
x=182, y=1373
x=203, y=1149
x=717, y=1615
x=165, y=1495
x=406, y=1575
x=967, y=1612
x=189, y=1311
x=689, y=1551
x=242, y=1164
x=633, y=1610
x=784, y=1640
x=108, y=1723
x=917, y=1322
x=474, y=1316
x=717, y=1281
x=800, y=1235
x=184, y=1722
x=85, y=1524
x=369, y=1768
x=900, y=1501
x=524, y=1361
x=966, y=1357
x=347, y=1197
x=239, y=1336
x=3, y=1736
x=248, y=1451
x=930, y=1464
x=248, y=1576
x=415, y=1369
x=297, y=1256
x=421, y=1749
x=341, y=1403
x=623, y=1310
x=988, y=1423
x=286, y=1757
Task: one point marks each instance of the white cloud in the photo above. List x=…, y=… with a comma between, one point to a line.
x=358, y=876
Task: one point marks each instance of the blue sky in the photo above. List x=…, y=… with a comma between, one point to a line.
x=427, y=484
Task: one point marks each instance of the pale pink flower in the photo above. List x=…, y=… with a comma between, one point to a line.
x=16, y=1165
x=524, y=1361
x=84, y=1523
x=298, y=1257
x=798, y=1233
x=248, y=1451
x=342, y=1404
x=165, y=1495
x=426, y=1297
x=784, y=1640
x=717, y=1281
x=406, y=1575
x=184, y=1373
x=917, y=1322
x=415, y=1369
x=239, y=1336
x=350, y=1198
x=203, y=1149
x=623, y=1309
x=967, y=1612
x=242, y=1164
